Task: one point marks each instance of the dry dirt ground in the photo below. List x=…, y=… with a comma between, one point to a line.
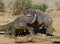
x=56, y=21
x=6, y=40
x=43, y=39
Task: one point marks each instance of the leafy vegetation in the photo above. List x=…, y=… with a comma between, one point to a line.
x=58, y=5
x=1, y=6
x=41, y=7
x=21, y=5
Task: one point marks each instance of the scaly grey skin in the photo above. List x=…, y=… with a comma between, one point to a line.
x=46, y=19
x=7, y=28
x=19, y=24
x=43, y=19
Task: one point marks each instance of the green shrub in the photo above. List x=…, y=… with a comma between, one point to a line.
x=58, y=5
x=41, y=7
x=1, y=6
x=21, y=5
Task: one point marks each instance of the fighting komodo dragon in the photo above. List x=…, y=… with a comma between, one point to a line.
x=17, y=26
x=42, y=19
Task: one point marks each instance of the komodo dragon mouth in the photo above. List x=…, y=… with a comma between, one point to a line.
x=34, y=23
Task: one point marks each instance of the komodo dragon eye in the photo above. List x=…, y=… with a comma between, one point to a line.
x=28, y=14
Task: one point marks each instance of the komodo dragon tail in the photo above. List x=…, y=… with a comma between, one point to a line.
x=2, y=27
